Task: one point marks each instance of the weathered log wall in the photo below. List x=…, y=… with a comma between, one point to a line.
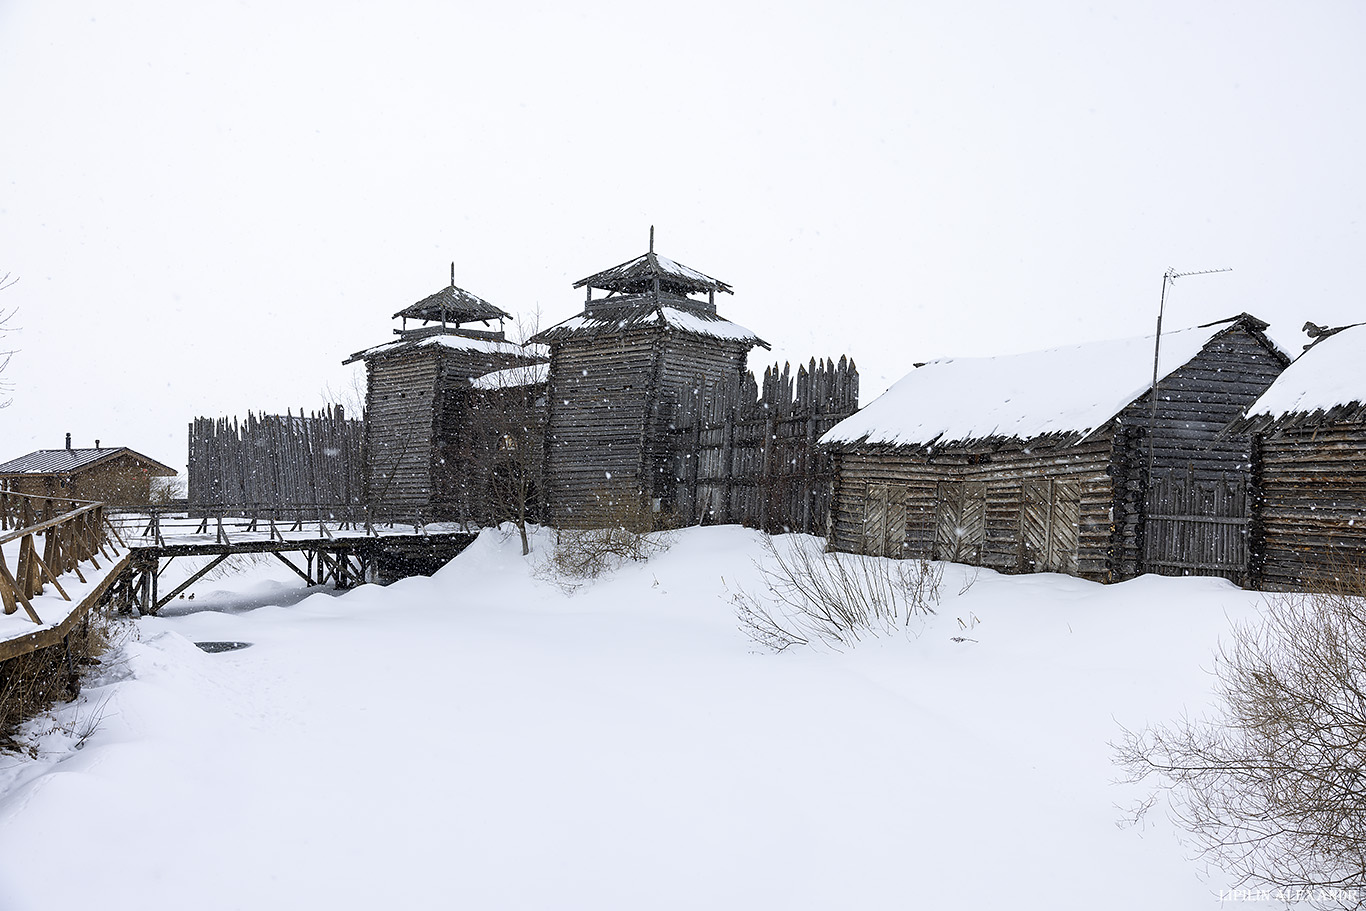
x=400, y=417
x=598, y=408
x=1015, y=509
x=1311, y=510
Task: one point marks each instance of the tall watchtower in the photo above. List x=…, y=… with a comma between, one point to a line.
x=416, y=404
x=648, y=338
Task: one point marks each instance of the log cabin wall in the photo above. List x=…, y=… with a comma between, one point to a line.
x=1198, y=401
x=1311, y=511
x=1194, y=516
x=121, y=481
x=1011, y=508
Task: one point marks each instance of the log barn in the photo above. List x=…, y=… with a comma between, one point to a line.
x=417, y=406
x=648, y=337
x=1310, y=465
x=1041, y=461
x=113, y=474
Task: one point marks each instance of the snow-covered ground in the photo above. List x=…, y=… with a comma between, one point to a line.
x=480, y=739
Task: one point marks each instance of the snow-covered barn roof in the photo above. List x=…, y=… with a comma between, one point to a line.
x=69, y=461
x=650, y=313
x=1326, y=383
x=638, y=276
x=1067, y=391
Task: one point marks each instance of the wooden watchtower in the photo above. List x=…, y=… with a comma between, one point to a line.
x=649, y=339
x=416, y=404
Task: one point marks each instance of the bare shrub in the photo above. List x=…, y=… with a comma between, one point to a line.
x=1272, y=788
x=583, y=554
x=834, y=599
x=31, y=684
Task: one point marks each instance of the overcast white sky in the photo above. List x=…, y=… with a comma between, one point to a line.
x=209, y=206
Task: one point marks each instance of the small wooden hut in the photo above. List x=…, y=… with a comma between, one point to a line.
x=113, y=474
x=1310, y=465
x=650, y=338
x=1052, y=461
x=417, y=401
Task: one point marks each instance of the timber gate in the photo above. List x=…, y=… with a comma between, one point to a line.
x=1197, y=527
x=275, y=462
x=748, y=455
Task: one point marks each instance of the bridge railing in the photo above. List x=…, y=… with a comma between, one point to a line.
x=72, y=532
x=151, y=525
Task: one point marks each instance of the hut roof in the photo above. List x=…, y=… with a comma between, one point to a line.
x=458, y=306
x=650, y=313
x=1326, y=383
x=452, y=342
x=638, y=276
x=1066, y=392
x=71, y=461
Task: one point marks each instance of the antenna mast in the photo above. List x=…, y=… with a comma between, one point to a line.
x=1169, y=277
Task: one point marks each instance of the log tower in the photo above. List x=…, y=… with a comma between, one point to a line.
x=648, y=338
x=416, y=403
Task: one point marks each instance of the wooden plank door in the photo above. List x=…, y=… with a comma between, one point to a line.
x=1050, y=525
x=960, y=521
x=884, y=520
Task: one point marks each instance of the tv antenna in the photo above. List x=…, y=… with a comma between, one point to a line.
x=1168, y=278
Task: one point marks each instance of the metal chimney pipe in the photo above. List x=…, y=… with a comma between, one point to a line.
x=68, y=441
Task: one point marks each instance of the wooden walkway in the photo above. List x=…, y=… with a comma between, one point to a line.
x=58, y=559
x=342, y=552
x=62, y=558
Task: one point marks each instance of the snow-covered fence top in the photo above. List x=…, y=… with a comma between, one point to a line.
x=1071, y=390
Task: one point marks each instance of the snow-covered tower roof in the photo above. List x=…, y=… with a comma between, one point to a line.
x=650, y=290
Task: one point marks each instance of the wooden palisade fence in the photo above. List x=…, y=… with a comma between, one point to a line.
x=275, y=462
x=73, y=532
x=749, y=455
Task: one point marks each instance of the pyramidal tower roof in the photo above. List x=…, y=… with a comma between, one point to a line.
x=652, y=273
x=650, y=290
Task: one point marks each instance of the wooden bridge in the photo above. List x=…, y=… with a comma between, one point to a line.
x=337, y=545
x=70, y=556
x=58, y=582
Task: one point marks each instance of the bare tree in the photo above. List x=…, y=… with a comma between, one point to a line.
x=6, y=387
x=1273, y=787
x=505, y=448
